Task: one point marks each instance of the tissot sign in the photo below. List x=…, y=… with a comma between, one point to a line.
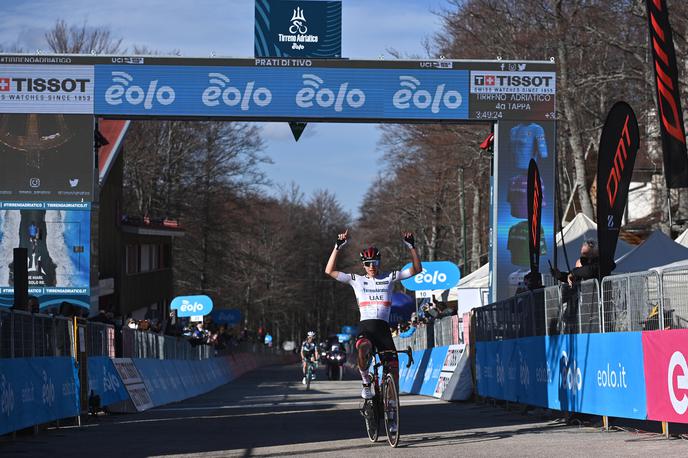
x=286, y=28
x=46, y=89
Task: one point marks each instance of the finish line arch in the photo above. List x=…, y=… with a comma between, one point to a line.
x=517, y=97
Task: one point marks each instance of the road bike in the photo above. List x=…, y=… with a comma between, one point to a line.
x=385, y=401
x=310, y=375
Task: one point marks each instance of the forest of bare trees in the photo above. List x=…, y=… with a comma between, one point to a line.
x=266, y=255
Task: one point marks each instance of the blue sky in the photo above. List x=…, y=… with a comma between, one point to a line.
x=342, y=158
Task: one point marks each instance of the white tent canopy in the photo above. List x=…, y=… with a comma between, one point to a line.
x=657, y=250
x=476, y=279
x=473, y=289
x=683, y=238
x=580, y=229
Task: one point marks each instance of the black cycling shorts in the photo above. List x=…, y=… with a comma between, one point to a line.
x=378, y=332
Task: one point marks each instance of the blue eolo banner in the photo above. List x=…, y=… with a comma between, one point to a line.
x=435, y=275
x=306, y=28
x=260, y=92
x=36, y=390
x=187, y=306
x=573, y=373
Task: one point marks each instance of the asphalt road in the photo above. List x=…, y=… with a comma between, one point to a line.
x=269, y=413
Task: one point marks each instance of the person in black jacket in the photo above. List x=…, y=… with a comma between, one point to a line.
x=587, y=266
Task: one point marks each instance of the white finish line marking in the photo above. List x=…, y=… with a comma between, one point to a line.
x=288, y=404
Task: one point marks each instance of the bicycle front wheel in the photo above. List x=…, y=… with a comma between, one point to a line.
x=390, y=404
x=309, y=376
x=372, y=423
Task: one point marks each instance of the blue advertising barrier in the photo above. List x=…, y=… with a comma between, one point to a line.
x=575, y=373
x=424, y=373
x=174, y=380
x=36, y=390
x=104, y=381
x=433, y=369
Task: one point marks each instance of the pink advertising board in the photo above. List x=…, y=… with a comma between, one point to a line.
x=666, y=374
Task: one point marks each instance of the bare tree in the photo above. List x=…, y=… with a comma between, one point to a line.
x=66, y=39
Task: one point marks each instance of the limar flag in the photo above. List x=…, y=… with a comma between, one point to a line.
x=534, y=196
x=618, y=148
x=668, y=98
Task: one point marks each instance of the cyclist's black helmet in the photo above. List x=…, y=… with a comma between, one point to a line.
x=370, y=254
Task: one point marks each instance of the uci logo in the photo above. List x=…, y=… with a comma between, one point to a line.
x=678, y=360
x=325, y=97
x=136, y=95
x=233, y=96
x=422, y=98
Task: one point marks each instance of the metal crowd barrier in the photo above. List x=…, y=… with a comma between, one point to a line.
x=26, y=335
x=639, y=301
x=628, y=302
x=147, y=344
x=674, y=299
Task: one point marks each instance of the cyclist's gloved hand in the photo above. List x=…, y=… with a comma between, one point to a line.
x=409, y=240
x=341, y=240
x=339, y=244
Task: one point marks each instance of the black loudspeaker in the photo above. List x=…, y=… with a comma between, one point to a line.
x=21, y=278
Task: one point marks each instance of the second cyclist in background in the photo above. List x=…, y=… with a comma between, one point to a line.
x=309, y=352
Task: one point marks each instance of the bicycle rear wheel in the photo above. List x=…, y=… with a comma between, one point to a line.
x=390, y=404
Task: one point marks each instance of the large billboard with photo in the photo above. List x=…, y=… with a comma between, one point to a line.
x=46, y=157
x=518, y=143
x=57, y=237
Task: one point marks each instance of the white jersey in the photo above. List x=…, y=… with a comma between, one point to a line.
x=374, y=295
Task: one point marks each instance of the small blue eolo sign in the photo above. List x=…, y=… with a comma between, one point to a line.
x=188, y=306
x=435, y=275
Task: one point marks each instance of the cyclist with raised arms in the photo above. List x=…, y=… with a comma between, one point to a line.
x=309, y=352
x=374, y=296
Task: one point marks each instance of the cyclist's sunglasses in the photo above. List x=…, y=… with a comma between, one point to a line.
x=373, y=263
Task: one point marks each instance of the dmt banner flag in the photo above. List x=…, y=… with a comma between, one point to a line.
x=618, y=148
x=668, y=95
x=534, y=193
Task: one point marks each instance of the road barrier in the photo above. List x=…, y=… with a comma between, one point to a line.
x=442, y=372
x=41, y=390
x=615, y=349
x=37, y=390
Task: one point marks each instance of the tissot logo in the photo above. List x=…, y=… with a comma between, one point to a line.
x=513, y=82
x=44, y=84
x=484, y=80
